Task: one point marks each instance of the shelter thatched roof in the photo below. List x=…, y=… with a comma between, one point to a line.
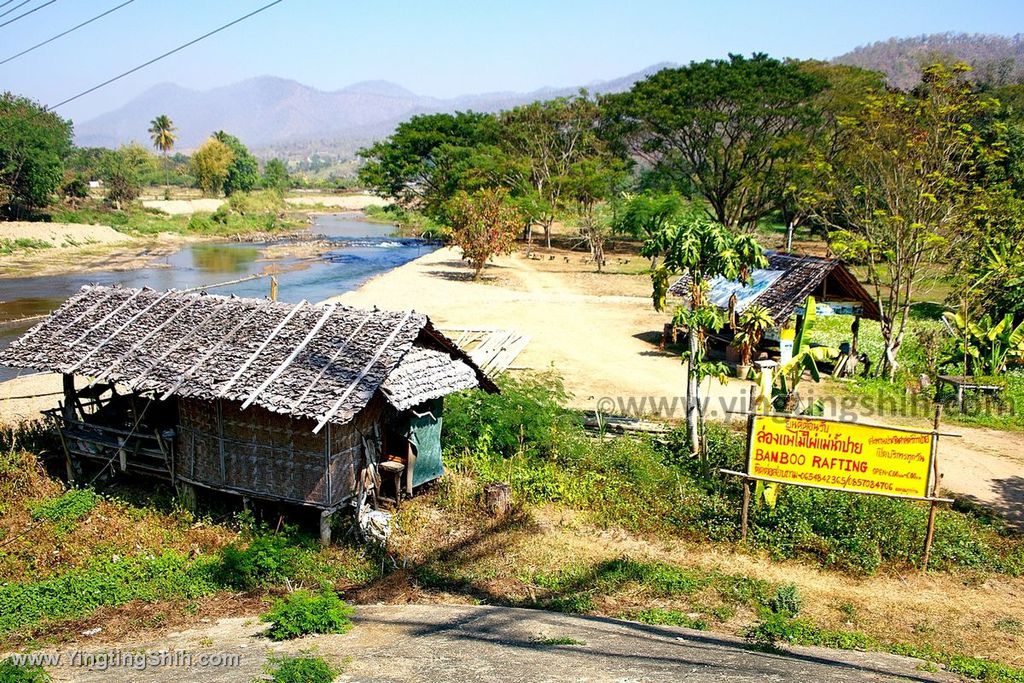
x=785, y=284
x=319, y=362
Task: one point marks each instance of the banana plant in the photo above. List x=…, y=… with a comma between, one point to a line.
x=984, y=347
x=805, y=359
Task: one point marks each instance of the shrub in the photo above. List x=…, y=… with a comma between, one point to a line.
x=266, y=561
x=301, y=669
x=669, y=617
x=10, y=672
x=65, y=510
x=304, y=612
x=786, y=600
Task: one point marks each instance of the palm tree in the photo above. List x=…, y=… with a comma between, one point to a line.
x=161, y=130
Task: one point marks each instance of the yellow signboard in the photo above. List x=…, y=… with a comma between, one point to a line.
x=841, y=455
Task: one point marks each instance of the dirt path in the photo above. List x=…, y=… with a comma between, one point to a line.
x=443, y=643
x=599, y=343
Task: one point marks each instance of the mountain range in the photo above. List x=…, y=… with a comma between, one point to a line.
x=277, y=116
x=281, y=117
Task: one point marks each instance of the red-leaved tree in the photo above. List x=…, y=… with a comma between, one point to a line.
x=484, y=224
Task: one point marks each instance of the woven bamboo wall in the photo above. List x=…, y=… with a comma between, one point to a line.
x=260, y=453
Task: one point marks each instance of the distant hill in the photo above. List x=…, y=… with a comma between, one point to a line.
x=997, y=60
x=281, y=116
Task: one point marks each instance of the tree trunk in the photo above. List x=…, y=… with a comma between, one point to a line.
x=547, y=234
x=692, y=395
x=790, y=229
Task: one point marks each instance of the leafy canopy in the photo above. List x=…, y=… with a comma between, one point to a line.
x=243, y=171
x=33, y=146
x=484, y=224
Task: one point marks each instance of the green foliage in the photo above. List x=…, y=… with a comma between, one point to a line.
x=984, y=346
x=267, y=560
x=243, y=171
x=669, y=617
x=724, y=129
x=275, y=175
x=304, y=612
x=65, y=510
x=256, y=202
x=558, y=640
x=33, y=146
x=107, y=581
x=301, y=669
x=786, y=600
x=22, y=244
x=122, y=171
x=410, y=222
x=11, y=672
x=210, y=165
x=429, y=159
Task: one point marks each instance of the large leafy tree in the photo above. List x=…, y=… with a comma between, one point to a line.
x=699, y=250
x=244, y=170
x=903, y=190
x=723, y=129
x=484, y=225
x=430, y=158
x=543, y=142
x=163, y=134
x=210, y=165
x=643, y=215
x=275, y=175
x=33, y=146
x=122, y=170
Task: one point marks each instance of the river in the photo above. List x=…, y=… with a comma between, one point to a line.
x=362, y=250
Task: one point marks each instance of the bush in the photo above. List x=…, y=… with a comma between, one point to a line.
x=786, y=600
x=267, y=560
x=65, y=510
x=302, y=669
x=10, y=672
x=304, y=612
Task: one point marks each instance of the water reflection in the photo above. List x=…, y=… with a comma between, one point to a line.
x=363, y=250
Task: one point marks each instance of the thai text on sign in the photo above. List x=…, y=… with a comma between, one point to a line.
x=840, y=455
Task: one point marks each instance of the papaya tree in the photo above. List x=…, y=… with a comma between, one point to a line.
x=700, y=250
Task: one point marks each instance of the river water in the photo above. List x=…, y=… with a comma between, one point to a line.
x=362, y=250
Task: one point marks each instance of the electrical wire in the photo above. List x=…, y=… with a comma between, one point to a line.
x=22, y=16
x=64, y=33
x=20, y=4
x=6, y=2
x=163, y=56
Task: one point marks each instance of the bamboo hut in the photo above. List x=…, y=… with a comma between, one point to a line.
x=293, y=403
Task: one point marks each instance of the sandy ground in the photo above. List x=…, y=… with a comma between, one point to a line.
x=346, y=202
x=61, y=234
x=594, y=340
x=180, y=207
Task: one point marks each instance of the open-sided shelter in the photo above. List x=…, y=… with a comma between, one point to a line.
x=296, y=403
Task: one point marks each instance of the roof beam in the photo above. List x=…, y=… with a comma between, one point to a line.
x=108, y=316
x=213, y=349
x=288, y=361
x=351, y=387
x=139, y=344
x=334, y=356
x=249, y=361
x=174, y=347
x=118, y=331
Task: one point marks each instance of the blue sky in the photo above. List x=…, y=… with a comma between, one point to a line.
x=444, y=48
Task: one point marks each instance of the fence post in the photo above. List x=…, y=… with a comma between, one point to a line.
x=933, y=505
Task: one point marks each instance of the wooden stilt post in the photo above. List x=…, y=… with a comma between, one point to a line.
x=273, y=288
x=746, y=510
x=325, y=527
x=933, y=492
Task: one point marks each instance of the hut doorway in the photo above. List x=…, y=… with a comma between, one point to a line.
x=424, y=434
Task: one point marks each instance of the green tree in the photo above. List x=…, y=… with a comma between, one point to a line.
x=33, y=146
x=589, y=185
x=430, y=158
x=484, y=225
x=542, y=142
x=162, y=133
x=275, y=175
x=244, y=170
x=902, y=192
x=210, y=165
x=645, y=214
x=700, y=250
x=122, y=171
x=723, y=129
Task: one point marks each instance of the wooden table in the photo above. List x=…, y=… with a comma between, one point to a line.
x=962, y=385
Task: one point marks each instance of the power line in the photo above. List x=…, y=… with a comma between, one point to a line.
x=22, y=16
x=164, y=55
x=70, y=30
x=7, y=2
x=20, y=4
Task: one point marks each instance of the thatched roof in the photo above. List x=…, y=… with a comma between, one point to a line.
x=319, y=362
x=785, y=284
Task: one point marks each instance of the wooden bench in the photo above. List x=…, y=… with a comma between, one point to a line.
x=961, y=385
